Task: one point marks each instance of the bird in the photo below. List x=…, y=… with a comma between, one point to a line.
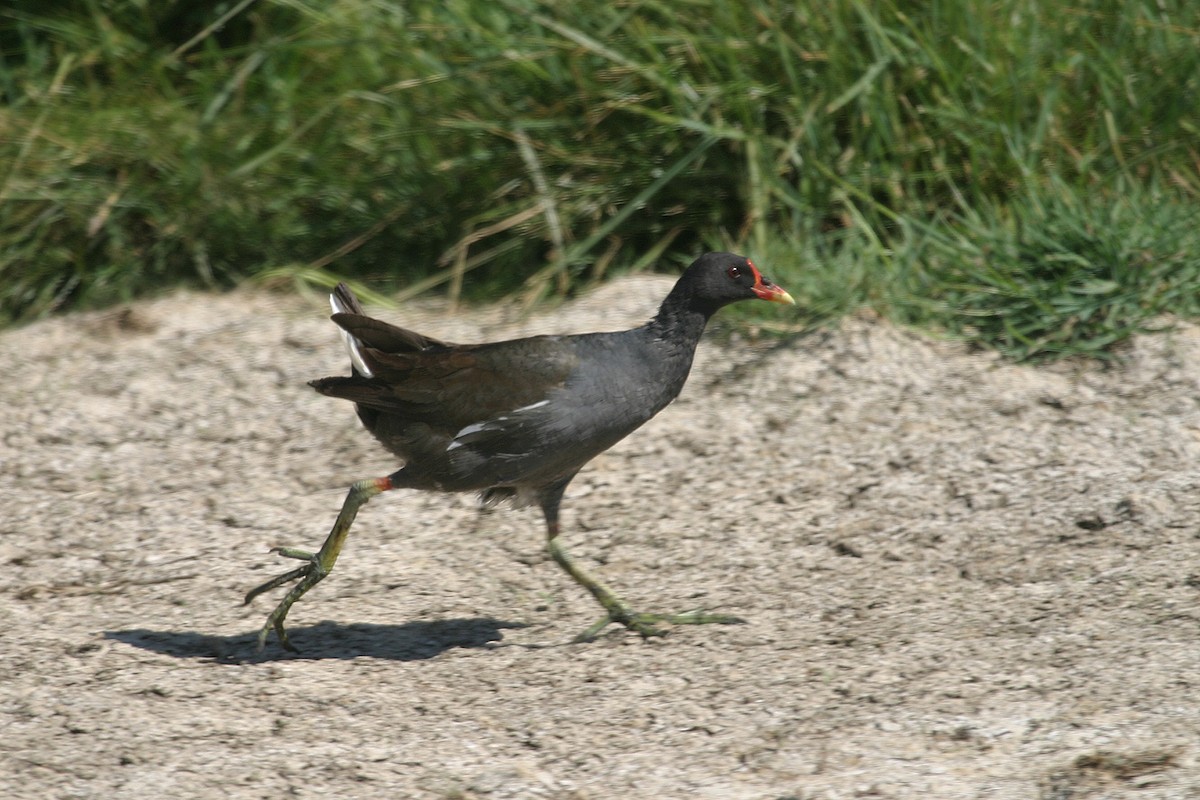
x=515, y=420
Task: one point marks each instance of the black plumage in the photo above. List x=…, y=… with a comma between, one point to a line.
x=519, y=418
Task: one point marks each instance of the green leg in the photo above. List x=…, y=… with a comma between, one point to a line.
x=319, y=564
x=617, y=609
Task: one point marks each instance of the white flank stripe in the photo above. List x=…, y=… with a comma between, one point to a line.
x=476, y=427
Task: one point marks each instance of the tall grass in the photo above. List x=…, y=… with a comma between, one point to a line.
x=958, y=152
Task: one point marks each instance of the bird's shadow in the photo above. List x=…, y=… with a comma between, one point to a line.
x=411, y=641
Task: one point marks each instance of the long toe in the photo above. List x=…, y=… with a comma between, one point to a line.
x=647, y=624
x=275, y=623
x=698, y=616
x=643, y=624
x=306, y=576
x=280, y=580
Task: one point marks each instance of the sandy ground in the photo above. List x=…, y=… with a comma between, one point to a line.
x=962, y=578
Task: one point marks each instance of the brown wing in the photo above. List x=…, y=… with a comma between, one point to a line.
x=350, y=317
x=449, y=386
x=384, y=337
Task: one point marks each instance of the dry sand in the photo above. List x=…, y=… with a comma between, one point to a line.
x=962, y=578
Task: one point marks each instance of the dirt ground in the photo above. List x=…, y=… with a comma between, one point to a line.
x=961, y=578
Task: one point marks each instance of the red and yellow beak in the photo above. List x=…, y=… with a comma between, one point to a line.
x=765, y=290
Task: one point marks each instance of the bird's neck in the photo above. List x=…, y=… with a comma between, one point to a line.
x=680, y=322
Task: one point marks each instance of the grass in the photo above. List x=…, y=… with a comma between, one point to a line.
x=1070, y=275
x=1019, y=174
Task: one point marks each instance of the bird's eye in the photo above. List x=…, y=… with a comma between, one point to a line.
x=734, y=272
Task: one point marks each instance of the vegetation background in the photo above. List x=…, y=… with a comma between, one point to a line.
x=1017, y=172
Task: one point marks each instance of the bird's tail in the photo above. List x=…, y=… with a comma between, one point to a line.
x=343, y=301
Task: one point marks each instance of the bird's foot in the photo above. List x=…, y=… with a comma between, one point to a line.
x=308, y=575
x=649, y=624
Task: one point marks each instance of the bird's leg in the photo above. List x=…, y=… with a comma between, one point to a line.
x=643, y=623
x=318, y=564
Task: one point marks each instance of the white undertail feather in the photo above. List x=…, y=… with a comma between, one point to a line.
x=352, y=343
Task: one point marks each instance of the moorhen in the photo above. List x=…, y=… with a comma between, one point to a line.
x=517, y=419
